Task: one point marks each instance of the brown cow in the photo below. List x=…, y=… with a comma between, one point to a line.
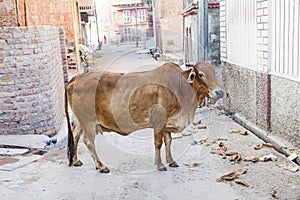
x=164, y=99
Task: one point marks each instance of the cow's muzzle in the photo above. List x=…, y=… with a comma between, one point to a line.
x=217, y=94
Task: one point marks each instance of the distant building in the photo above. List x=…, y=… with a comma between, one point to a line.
x=168, y=25
x=132, y=21
x=191, y=33
x=86, y=10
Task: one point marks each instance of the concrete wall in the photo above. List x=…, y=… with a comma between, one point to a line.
x=31, y=80
x=240, y=88
x=285, y=109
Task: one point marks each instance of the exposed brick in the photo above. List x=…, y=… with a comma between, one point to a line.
x=8, y=101
x=21, y=70
x=7, y=82
x=8, y=107
x=7, y=94
x=20, y=99
x=34, y=104
x=23, y=105
x=2, y=65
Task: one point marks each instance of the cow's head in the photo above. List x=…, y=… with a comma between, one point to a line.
x=202, y=77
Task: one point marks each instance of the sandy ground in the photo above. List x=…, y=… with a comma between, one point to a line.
x=133, y=175
x=131, y=162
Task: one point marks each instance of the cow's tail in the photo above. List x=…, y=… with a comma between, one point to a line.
x=70, y=133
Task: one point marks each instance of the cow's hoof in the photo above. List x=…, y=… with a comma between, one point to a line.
x=174, y=164
x=162, y=169
x=78, y=163
x=105, y=170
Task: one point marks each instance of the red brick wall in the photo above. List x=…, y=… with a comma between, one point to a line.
x=51, y=12
x=8, y=15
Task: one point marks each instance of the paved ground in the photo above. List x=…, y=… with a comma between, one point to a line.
x=131, y=159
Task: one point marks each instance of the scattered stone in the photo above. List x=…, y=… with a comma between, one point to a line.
x=274, y=194
x=269, y=157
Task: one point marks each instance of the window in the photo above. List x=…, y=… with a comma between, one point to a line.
x=126, y=15
x=142, y=14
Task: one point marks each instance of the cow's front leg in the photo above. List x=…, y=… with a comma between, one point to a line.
x=158, y=140
x=89, y=141
x=169, y=158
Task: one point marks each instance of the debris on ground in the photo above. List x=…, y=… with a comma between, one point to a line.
x=274, y=194
x=232, y=175
x=269, y=157
x=292, y=167
x=207, y=142
x=176, y=136
x=201, y=127
x=260, y=146
x=240, y=132
x=241, y=182
x=234, y=156
x=192, y=165
x=186, y=133
x=253, y=159
x=293, y=156
x=197, y=122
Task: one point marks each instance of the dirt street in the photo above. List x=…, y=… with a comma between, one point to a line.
x=203, y=152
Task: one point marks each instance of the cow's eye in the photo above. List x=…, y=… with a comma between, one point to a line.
x=201, y=74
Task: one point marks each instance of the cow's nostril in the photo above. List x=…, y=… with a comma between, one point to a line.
x=220, y=93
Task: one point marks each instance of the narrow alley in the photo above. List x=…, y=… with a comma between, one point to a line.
x=131, y=161
x=170, y=100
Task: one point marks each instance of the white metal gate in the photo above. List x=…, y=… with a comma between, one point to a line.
x=241, y=32
x=285, y=36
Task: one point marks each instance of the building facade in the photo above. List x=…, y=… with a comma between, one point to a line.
x=168, y=24
x=191, y=33
x=260, y=42
x=132, y=22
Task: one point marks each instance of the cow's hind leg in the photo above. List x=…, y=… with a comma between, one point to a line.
x=77, y=131
x=158, y=140
x=89, y=141
x=169, y=158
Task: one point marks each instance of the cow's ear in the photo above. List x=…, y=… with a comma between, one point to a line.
x=191, y=76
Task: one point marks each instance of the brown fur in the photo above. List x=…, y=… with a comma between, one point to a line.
x=161, y=99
